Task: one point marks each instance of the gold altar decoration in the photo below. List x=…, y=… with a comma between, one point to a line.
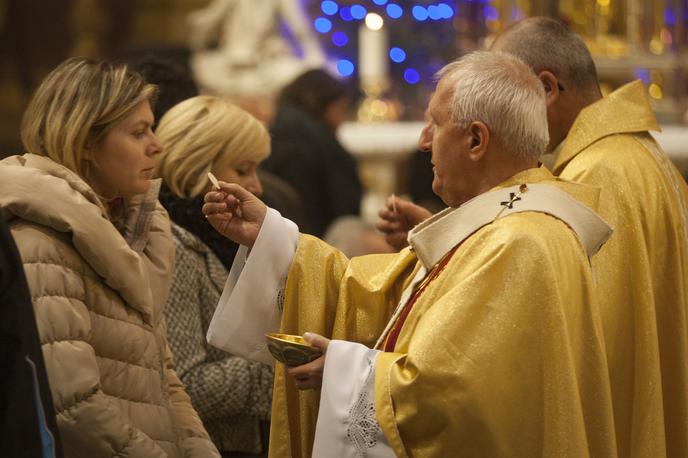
x=629, y=39
x=375, y=106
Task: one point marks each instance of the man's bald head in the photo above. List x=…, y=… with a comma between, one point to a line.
x=546, y=44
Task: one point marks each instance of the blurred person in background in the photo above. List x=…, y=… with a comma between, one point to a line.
x=307, y=154
x=172, y=78
x=98, y=256
x=232, y=395
x=355, y=237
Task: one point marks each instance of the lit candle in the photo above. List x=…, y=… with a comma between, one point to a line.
x=373, y=47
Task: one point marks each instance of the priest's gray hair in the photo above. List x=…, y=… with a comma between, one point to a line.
x=546, y=44
x=504, y=93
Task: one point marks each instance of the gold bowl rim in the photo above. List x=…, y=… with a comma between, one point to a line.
x=289, y=339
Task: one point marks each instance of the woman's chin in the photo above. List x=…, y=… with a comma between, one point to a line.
x=141, y=187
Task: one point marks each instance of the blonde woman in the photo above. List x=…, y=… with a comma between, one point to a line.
x=98, y=256
x=207, y=134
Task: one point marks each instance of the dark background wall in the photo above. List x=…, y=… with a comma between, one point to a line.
x=35, y=35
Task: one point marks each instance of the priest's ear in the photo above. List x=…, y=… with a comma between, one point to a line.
x=553, y=87
x=479, y=138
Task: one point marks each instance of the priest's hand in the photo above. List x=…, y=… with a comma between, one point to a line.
x=235, y=213
x=309, y=376
x=397, y=218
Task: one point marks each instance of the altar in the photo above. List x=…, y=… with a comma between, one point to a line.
x=383, y=150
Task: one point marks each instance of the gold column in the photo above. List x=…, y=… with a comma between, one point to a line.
x=634, y=27
x=658, y=34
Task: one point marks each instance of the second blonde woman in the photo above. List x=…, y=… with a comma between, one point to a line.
x=232, y=395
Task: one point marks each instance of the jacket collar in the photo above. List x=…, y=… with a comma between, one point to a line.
x=626, y=110
x=39, y=190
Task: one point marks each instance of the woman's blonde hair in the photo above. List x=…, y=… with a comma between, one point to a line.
x=202, y=134
x=76, y=105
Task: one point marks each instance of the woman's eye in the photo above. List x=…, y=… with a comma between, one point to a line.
x=242, y=173
x=139, y=133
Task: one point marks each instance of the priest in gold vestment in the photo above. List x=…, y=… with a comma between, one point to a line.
x=642, y=272
x=482, y=339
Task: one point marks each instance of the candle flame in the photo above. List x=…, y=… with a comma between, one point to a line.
x=374, y=21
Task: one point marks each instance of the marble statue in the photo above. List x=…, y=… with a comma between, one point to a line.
x=252, y=57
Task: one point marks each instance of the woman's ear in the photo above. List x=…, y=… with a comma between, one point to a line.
x=89, y=148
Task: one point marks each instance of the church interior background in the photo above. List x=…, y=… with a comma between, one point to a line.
x=390, y=49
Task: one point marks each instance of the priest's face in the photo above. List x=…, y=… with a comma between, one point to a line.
x=449, y=144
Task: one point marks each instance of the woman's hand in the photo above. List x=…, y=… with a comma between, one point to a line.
x=397, y=218
x=309, y=376
x=235, y=213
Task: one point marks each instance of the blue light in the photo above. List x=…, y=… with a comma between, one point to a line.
x=434, y=12
x=669, y=17
x=419, y=13
x=329, y=7
x=345, y=14
x=517, y=14
x=358, y=12
x=411, y=76
x=491, y=13
x=345, y=67
x=446, y=11
x=340, y=38
x=379, y=2
x=642, y=74
x=323, y=25
x=398, y=55
x=394, y=11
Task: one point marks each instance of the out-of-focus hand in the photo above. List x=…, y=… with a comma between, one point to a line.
x=397, y=218
x=235, y=213
x=309, y=376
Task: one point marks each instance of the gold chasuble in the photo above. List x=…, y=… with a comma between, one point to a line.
x=641, y=273
x=502, y=354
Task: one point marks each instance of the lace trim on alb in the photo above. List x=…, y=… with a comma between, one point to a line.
x=362, y=427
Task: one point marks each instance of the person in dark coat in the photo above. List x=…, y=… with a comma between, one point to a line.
x=27, y=419
x=307, y=154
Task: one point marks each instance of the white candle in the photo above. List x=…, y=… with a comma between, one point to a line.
x=373, y=47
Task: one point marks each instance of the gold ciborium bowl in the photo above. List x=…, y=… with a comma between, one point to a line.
x=291, y=350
